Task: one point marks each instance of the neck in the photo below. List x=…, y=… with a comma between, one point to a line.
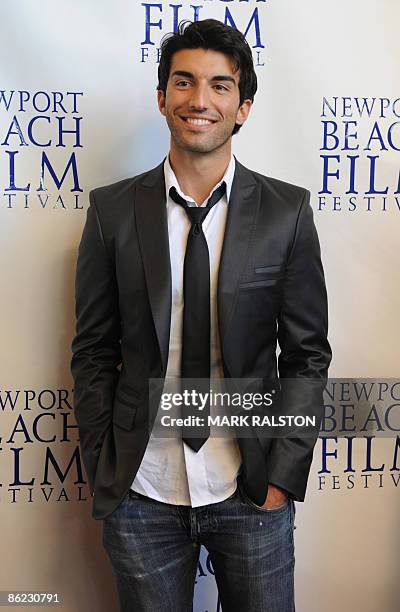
x=198, y=173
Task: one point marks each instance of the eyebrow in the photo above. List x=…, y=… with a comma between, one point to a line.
x=189, y=75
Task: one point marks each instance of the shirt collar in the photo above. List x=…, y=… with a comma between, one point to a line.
x=171, y=180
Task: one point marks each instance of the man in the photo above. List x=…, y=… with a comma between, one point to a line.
x=196, y=269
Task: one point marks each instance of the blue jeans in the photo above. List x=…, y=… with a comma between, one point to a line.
x=154, y=550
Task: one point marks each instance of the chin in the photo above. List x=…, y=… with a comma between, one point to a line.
x=202, y=147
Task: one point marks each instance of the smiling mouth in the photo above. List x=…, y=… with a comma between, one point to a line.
x=193, y=121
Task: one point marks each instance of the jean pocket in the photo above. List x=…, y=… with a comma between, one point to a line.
x=118, y=509
x=249, y=502
x=134, y=494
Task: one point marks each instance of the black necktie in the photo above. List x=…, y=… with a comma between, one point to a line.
x=196, y=313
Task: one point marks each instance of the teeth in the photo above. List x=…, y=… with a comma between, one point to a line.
x=198, y=121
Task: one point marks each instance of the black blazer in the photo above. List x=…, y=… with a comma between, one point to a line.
x=270, y=288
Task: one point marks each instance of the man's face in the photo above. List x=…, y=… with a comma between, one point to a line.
x=201, y=104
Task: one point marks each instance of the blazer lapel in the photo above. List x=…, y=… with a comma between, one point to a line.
x=152, y=228
x=243, y=207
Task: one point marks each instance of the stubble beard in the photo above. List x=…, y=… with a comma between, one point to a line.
x=205, y=143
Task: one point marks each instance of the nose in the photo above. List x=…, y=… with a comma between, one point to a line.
x=199, y=98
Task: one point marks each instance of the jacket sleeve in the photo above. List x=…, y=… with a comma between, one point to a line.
x=305, y=353
x=96, y=347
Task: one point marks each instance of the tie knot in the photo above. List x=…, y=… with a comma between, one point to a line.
x=197, y=214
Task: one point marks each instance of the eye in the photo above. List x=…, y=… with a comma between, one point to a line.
x=182, y=83
x=220, y=87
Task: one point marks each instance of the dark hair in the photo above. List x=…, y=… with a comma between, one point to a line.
x=211, y=34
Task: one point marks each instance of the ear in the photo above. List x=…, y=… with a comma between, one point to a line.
x=243, y=111
x=161, y=101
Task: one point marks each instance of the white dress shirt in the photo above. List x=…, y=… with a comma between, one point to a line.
x=170, y=470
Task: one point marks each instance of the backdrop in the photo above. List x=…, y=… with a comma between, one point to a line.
x=78, y=110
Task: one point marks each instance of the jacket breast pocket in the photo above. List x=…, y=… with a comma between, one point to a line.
x=124, y=413
x=259, y=283
x=273, y=269
x=264, y=276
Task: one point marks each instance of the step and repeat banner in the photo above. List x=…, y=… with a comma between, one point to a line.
x=78, y=110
